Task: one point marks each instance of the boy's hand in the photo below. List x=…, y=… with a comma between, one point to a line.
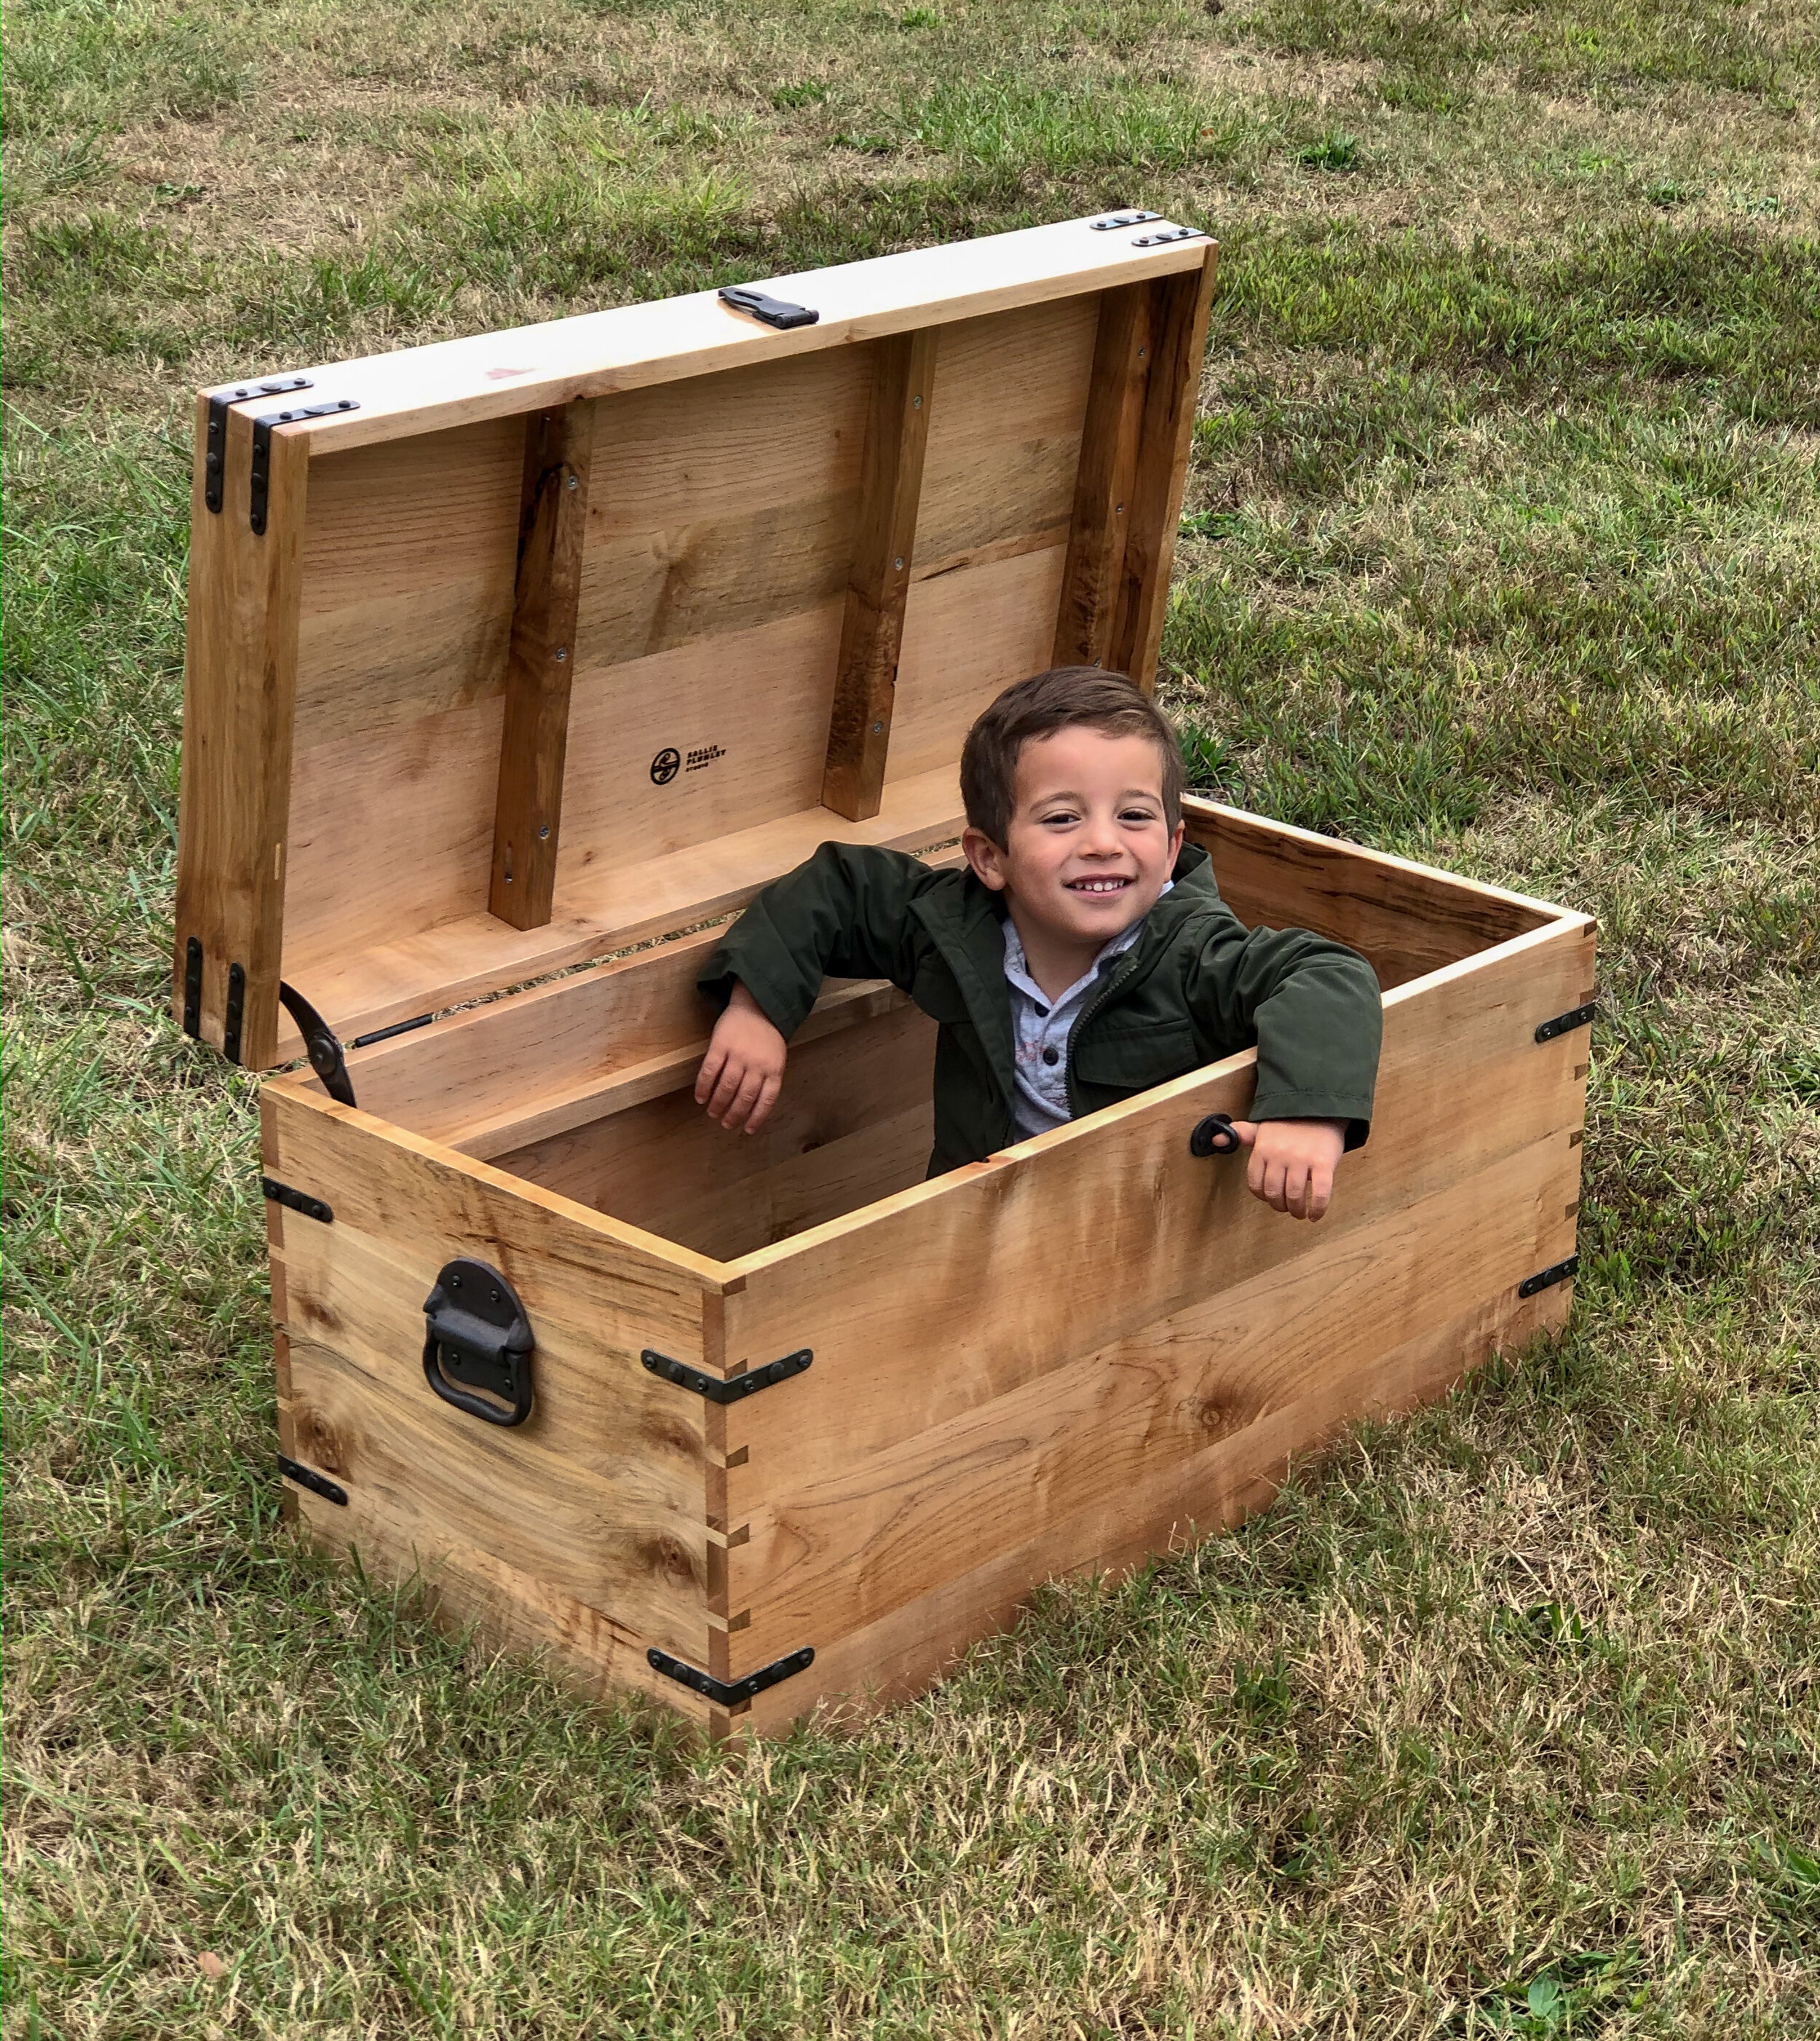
x=1291, y=1165
x=743, y=1071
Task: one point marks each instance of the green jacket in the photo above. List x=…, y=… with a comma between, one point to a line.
x=1196, y=986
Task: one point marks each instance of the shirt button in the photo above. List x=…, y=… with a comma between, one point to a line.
x=1042, y=1013
x=1052, y=1055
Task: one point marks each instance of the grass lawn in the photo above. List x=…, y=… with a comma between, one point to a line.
x=1502, y=549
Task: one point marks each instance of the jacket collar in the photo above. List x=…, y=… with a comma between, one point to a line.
x=965, y=923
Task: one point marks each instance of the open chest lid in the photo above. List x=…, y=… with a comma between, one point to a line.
x=516, y=651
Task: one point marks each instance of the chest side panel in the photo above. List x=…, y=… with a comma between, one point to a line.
x=599, y=1497
x=1027, y=1343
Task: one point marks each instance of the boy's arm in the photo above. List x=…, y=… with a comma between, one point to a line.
x=1314, y=1008
x=844, y=913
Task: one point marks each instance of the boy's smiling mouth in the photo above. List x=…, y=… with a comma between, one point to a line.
x=1097, y=885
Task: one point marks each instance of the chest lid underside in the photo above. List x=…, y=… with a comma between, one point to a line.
x=560, y=638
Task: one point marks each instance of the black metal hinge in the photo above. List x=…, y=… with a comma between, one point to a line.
x=1546, y=1278
x=318, y=1484
x=1565, y=1024
x=192, y=987
x=262, y=425
x=718, y=1389
x=1134, y=218
x=297, y=1201
x=727, y=1692
x=319, y=1045
x=214, y=446
x=234, y=1013
x=779, y=312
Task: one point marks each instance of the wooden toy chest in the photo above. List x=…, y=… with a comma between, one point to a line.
x=532, y=649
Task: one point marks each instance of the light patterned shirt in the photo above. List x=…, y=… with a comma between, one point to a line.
x=1040, y=1026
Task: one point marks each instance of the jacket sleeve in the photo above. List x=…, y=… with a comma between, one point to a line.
x=1313, y=1007
x=844, y=913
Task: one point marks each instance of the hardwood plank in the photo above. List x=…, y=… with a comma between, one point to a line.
x=395, y=1185
x=1179, y=323
x=666, y=1167
x=548, y=1111
x=1170, y=1504
x=720, y=505
x=966, y=635
x=527, y=813
x=1045, y=1230
x=505, y=1608
x=827, y=1556
x=410, y=550
x=1094, y=577
x=487, y=375
x=359, y=987
x=1407, y=918
x=476, y=1485
x=240, y=679
x=879, y=580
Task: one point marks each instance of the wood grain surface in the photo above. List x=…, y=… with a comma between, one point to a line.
x=878, y=577
x=540, y=663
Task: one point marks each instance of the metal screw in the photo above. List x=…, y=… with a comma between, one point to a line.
x=899, y=561
x=1118, y=509
x=572, y=482
x=454, y=1282
x=562, y=654
x=876, y=727
x=496, y=1296
x=545, y=831
x=1142, y=352
x=915, y=403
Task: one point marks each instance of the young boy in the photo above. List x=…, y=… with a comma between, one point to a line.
x=1082, y=956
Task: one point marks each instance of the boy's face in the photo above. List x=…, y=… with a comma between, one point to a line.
x=1089, y=850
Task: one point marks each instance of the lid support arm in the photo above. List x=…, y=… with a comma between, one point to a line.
x=878, y=585
x=540, y=662
x=1133, y=462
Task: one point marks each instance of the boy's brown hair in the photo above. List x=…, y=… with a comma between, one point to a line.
x=1061, y=699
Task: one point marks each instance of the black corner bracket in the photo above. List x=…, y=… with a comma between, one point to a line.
x=1133, y=217
x=719, y=1389
x=726, y=1693
x=1546, y=1278
x=215, y=450
x=318, y=1484
x=262, y=478
x=1565, y=1024
x=297, y=1201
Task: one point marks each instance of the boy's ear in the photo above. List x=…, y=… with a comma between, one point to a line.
x=1176, y=844
x=985, y=857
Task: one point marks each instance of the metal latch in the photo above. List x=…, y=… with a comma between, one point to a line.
x=774, y=311
x=726, y=1693
x=479, y=1336
x=262, y=425
x=724, y=1389
x=214, y=446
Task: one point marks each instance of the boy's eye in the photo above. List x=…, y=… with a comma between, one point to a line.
x=1138, y=815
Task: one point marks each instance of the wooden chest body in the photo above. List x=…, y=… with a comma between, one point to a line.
x=782, y=571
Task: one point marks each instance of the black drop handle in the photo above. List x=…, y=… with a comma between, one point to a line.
x=1215, y=1135
x=774, y=311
